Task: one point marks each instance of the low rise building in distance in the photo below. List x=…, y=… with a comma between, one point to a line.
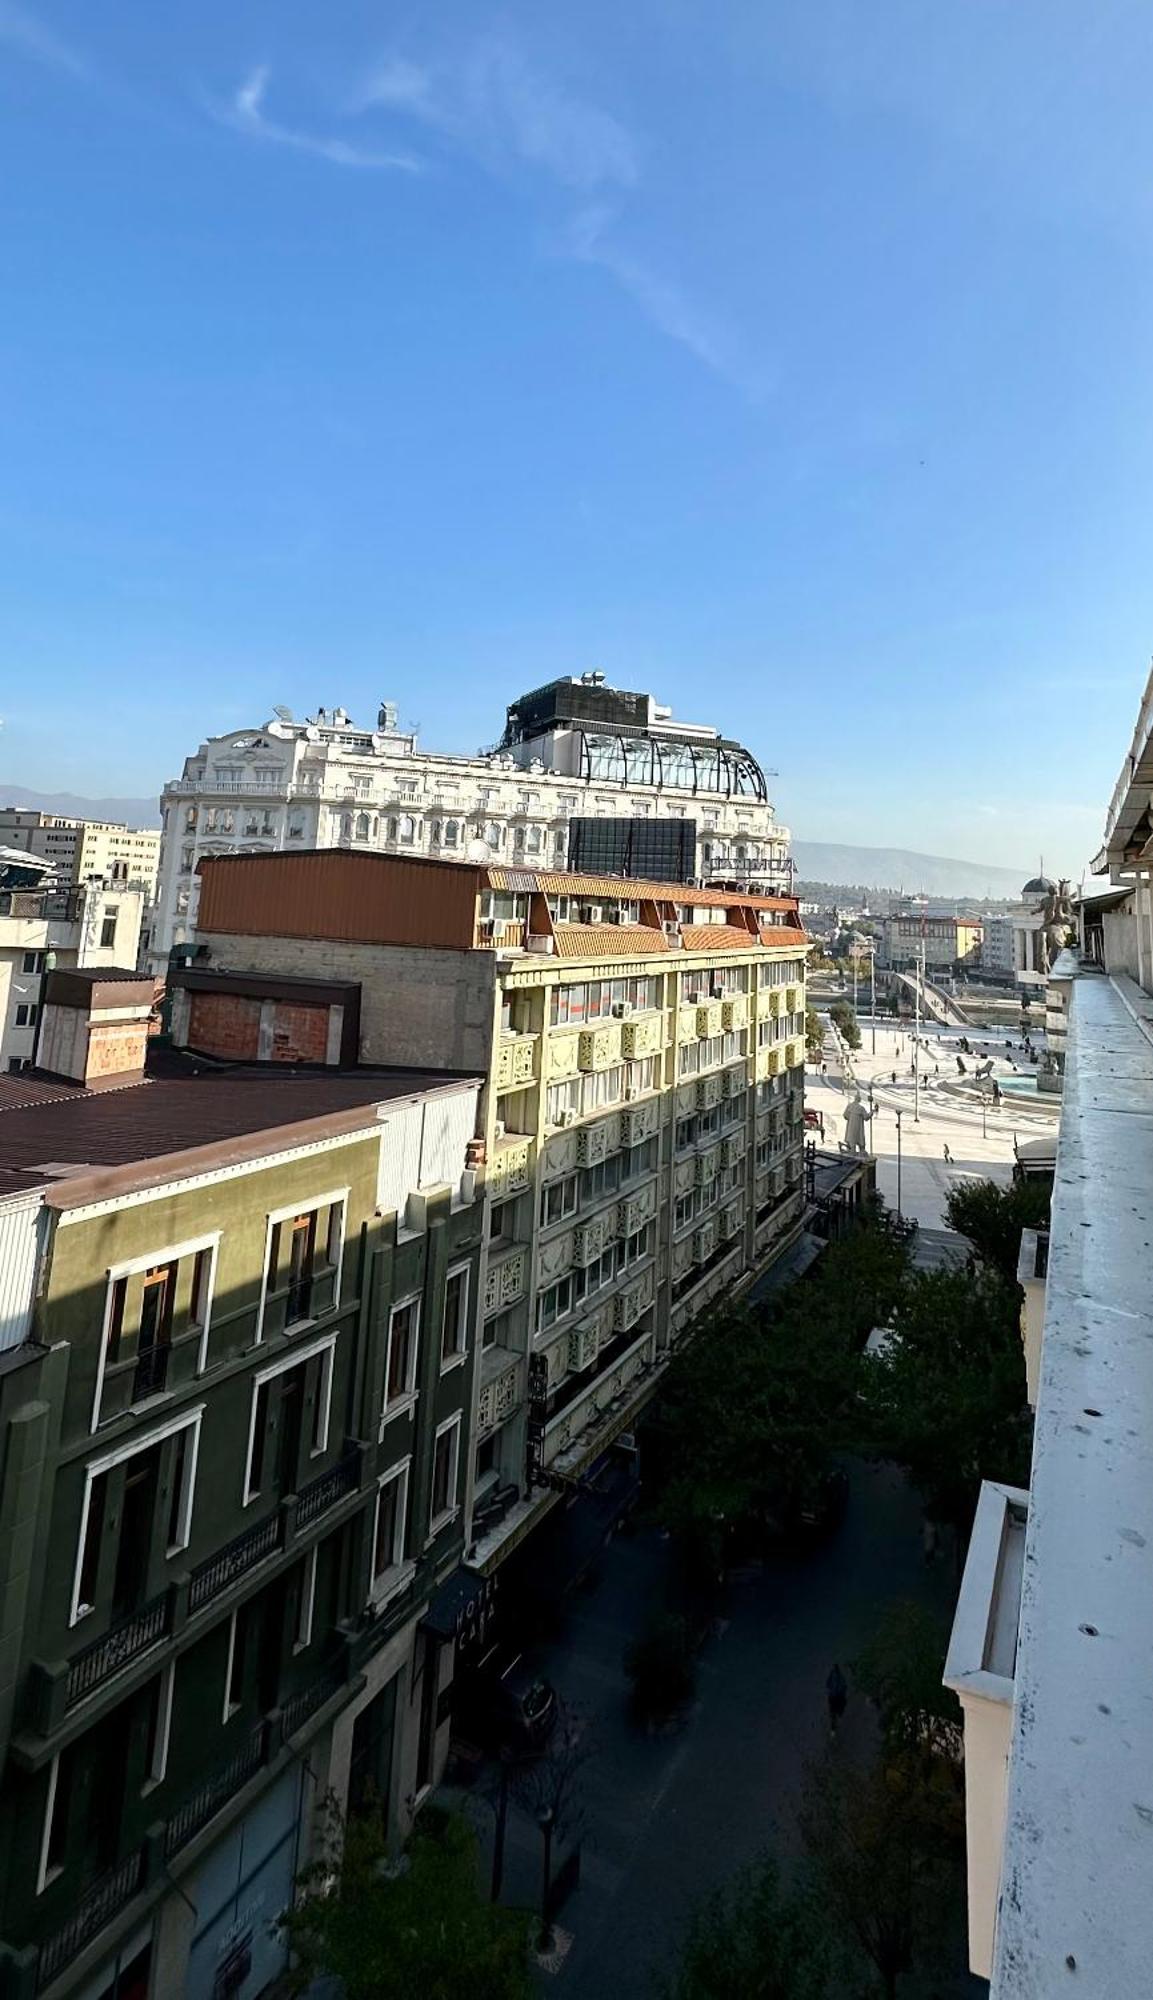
x=237, y=1384
x=78, y=849
x=944, y=943
x=41, y=926
x=573, y=751
x=640, y=1126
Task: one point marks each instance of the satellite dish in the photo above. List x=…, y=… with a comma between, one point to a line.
x=284, y=714
x=478, y=850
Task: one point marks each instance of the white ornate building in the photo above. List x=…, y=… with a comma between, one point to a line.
x=572, y=749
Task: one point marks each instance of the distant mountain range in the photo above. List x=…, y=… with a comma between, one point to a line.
x=899, y=868
x=132, y=812
x=816, y=860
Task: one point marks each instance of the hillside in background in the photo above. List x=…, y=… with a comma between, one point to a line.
x=133, y=812
x=817, y=861
x=898, y=868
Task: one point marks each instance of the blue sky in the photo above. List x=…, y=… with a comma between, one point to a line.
x=788, y=357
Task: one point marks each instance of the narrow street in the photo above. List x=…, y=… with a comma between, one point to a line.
x=666, y=1819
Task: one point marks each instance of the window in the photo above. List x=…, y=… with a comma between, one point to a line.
x=236, y=1663
x=171, y=1452
x=159, y=1725
x=502, y=1222
x=305, y=1601
x=26, y=1015
x=388, y=1528
x=291, y=1401
x=454, y=1326
x=362, y=826
x=562, y=1098
x=445, y=1456
x=141, y=1321
x=558, y=1200
x=108, y=930
x=403, y=1342
x=638, y=1160
x=406, y=829
x=302, y=1264
x=685, y=1210
x=639, y=1246
x=54, y=1840
x=33, y=961
x=601, y=1180
x=555, y=1301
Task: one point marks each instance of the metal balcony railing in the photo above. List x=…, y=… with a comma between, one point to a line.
x=320, y=1494
x=215, y=1575
x=97, y=1907
x=212, y=1796
x=118, y=1648
x=298, y=1707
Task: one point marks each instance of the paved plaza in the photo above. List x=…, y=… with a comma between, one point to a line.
x=979, y=1142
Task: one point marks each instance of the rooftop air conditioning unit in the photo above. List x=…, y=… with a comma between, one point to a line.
x=498, y=1130
x=569, y=1117
x=622, y=1009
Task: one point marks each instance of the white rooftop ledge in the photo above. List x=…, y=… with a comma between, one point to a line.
x=1076, y=1903
x=980, y=1667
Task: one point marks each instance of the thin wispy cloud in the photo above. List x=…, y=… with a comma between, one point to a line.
x=245, y=113
x=706, y=335
x=496, y=105
x=21, y=31
x=507, y=115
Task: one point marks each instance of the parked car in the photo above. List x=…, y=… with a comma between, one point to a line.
x=502, y=1705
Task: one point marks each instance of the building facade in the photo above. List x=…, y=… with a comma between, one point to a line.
x=1052, y=1644
x=574, y=749
x=949, y=943
x=640, y=1128
x=236, y=1389
x=79, y=848
x=90, y=926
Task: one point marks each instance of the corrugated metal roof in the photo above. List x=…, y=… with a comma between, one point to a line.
x=346, y=897
x=610, y=941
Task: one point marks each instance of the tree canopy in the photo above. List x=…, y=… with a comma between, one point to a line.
x=757, y=1940
x=993, y=1217
x=419, y=1926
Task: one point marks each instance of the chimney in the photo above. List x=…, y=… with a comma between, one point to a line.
x=93, y=1026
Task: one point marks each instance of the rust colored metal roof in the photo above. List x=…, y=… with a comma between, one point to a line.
x=632, y=887
x=347, y=897
x=611, y=940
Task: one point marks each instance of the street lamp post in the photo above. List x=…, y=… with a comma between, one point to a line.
x=547, y=1939
x=900, y=1217
x=873, y=990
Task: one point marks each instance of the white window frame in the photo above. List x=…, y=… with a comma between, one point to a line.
x=131, y=1268
x=303, y=1635
x=307, y=1206
x=453, y=1424
x=407, y=1401
x=44, y=1875
x=295, y=1358
x=459, y=1353
x=158, y=1765
x=380, y=1589
x=230, y=1708
x=98, y=1466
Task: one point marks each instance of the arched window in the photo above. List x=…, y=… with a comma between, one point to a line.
x=518, y=836
x=362, y=826
x=451, y=833
x=533, y=841
x=392, y=829
x=346, y=826
x=407, y=828
x=494, y=833
x=707, y=850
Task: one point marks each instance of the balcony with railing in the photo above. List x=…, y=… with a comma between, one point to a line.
x=214, y=1794
x=98, y=1906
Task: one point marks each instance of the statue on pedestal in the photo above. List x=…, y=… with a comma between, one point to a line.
x=1057, y=912
x=857, y=1116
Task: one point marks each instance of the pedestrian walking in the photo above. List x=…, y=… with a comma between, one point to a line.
x=837, y=1696
x=948, y=1155
x=894, y=1076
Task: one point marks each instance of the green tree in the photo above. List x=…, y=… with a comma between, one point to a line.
x=814, y=1032
x=884, y=1846
x=946, y=1399
x=752, y=1408
x=419, y=1926
x=993, y=1217
x=900, y=1670
x=842, y=1016
x=757, y=1940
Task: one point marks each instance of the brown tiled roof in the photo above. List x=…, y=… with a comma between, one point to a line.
x=609, y=940
x=634, y=888
x=725, y=937
x=188, y=1122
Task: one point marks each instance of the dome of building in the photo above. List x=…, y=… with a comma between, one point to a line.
x=1039, y=886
